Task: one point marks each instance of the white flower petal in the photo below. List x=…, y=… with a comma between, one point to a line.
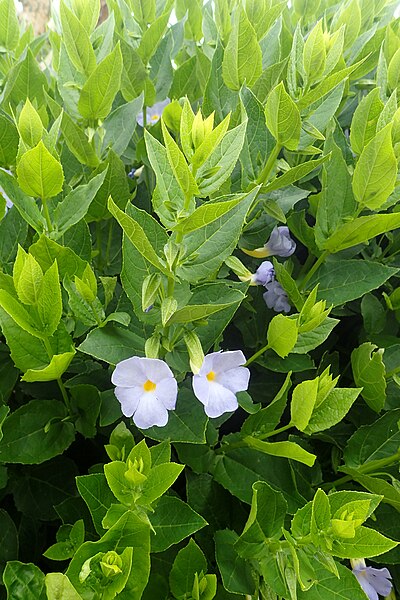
x=201, y=388
x=156, y=370
x=208, y=364
x=220, y=401
x=167, y=391
x=235, y=380
x=150, y=411
x=129, y=372
x=129, y=398
x=223, y=361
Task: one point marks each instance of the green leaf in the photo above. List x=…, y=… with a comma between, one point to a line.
x=76, y=204
x=39, y=173
x=207, y=247
x=46, y=251
x=159, y=480
x=329, y=587
x=194, y=312
x=173, y=521
x=49, y=302
x=343, y=280
x=59, y=363
x=374, y=442
x=179, y=165
x=59, y=587
x=284, y=449
x=115, y=185
x=189, y=561
x=282, y=335
x=24, y=80
x=294, y=174
x=9, y=26
x=221, y=162
x=24, y=581
x=112, y=344
x=217, y=96
x=187, y=423
x=376, y=171
x=365, y=120
x=99, y=91
x=9, y=537
x=120, y=126
x=265, y=521
x=19, y=314
x=332, y=409
x=326, y=85
x=205, y=214
x=25, y=205
x=152, y=37
x=8, y=141
x=369, y=373
x=136, y=235
x=283, y=117
x=77, y=141
x=168, y=198
x=360, y=230
x=77, y=42
x=365, y=544
x=235, y=572
x=336, y=203
x=97, y=495
x=266, y=419
x=314, y=53
x=242, y=57
x=36, y=432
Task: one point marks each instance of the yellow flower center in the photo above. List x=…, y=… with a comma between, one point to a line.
x=211, y=376
x=149, y=386
x=155, y=117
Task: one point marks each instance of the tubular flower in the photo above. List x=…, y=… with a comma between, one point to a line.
x=221, y=376
x=275, y=297
x=264, y=273
x=279, y=244
x=373, y=581
x=146, y=389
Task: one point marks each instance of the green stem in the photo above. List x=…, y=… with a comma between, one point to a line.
x=313, y=269
x=265, y=173
x=256, y=355
x=275, y=432
x=109, y=241
x=47, y=215
x=144, y=115
x=364, y=470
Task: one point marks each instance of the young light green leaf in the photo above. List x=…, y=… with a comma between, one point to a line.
x=30, y=125
x=179, y=165
x=242, y=57
x=284, y=449
x=365, y=119
x=9, y=26
x=59, y=363
x=77, y=42
x=314, y=53
x=360, y=230
x=376, y=171
x=136, y=234
x=369, y=373
x=49, y=301
x=99, y=91
x=40, y=174
x=282, y=335
x=332, y=409
x=283, y=117
x=59, y=587
x=303, y=401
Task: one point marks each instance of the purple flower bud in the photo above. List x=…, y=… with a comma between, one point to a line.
x=131, y=173
x=275, y=297
x=148, y=309
x=373, y=581
x=264, y=273
x=280, y=243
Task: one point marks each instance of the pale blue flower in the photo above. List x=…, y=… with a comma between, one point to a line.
x=280, y=243
x=153, y=113
x=146, y=389
x=275, y=297
x=373, y=581
x=220, y=377
x=264, y=273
